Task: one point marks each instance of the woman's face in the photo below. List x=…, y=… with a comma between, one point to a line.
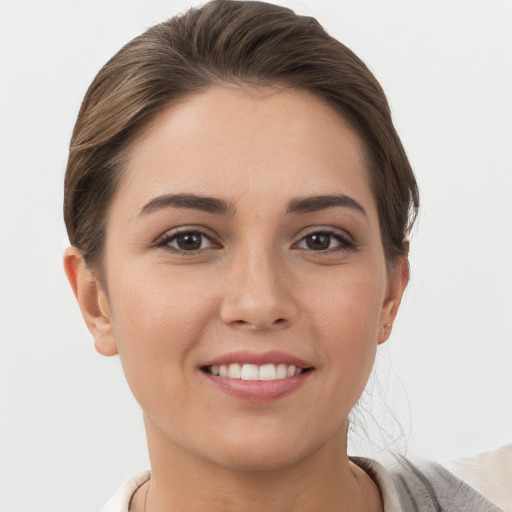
x=243, y=244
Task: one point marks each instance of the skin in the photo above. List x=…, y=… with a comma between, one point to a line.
x=254, y=284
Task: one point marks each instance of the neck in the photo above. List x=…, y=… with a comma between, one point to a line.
x=325, y=480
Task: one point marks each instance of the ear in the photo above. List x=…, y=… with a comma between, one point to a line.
x=92, y=301
x=398, y=280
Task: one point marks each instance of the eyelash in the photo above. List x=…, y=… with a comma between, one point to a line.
x=167, y=239
x=345, y=244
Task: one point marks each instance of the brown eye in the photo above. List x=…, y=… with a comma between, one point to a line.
x=322, y=241
x=318, y=241
x=188, y=241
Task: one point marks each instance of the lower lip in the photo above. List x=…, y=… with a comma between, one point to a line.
x=258, y=390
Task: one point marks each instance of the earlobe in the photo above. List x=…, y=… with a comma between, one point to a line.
x=92, y=301
x=397, y=282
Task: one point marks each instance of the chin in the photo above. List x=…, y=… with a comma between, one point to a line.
x=262, y=450
x=257, y=460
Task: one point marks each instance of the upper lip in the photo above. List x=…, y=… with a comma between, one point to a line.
x=248, y=357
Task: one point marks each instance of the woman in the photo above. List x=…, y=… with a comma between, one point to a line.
x=238, y=204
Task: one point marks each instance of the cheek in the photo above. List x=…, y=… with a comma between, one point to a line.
x=157, y=323
x=347, y=320
x=350, y=303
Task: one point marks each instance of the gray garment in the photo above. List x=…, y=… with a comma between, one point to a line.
x=428, y=487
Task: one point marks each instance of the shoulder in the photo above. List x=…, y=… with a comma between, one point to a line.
x=427, y=485
x=490, y=473
x=120, y=502
x=482, y=484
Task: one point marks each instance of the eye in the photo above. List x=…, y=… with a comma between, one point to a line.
x=186, y=241
x=322, y=241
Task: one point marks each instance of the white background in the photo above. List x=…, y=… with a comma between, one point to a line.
x=70, y=431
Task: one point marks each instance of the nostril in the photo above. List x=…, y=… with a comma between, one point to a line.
x=279, y=322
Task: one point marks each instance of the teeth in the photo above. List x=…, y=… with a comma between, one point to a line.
x=281, y=371
x=234, y=371
x=249, y=372
x=267, y=372
x=255, y=372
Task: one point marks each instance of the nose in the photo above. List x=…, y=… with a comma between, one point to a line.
x=258, y=293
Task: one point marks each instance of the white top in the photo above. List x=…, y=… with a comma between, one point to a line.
x=489, y=473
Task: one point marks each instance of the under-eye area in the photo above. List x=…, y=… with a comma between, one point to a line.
x=254, y=372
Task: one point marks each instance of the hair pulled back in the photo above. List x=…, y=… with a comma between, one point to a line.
x=237, y=42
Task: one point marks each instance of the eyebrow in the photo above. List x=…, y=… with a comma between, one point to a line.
x=317, y=203
x=219, y=206
x=192, y=201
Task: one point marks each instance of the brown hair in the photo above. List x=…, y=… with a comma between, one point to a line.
x=228, y=41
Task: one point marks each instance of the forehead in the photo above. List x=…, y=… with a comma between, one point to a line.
x=241, y=143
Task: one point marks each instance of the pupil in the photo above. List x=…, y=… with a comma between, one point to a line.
x=189, y=241
x=318, y=242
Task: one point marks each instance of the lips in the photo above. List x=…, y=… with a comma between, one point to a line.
x=257, y=376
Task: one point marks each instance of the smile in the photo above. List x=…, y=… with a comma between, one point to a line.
x=253, y=372
x=257, y=376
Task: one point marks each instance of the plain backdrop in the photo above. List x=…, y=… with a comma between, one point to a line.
x=70, y=431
